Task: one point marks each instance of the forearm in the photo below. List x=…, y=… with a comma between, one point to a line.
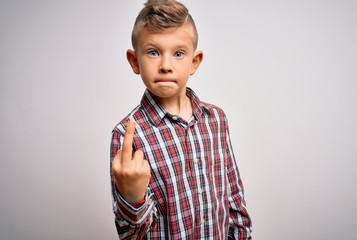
x=239, y=225
x=239, y=221
x=132, y=222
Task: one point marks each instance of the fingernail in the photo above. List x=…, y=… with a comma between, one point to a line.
x=131, y=124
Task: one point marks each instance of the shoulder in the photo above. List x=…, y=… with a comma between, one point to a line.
x=214, y=115
x=207, y=109
x=213, y=110
x=134, y=114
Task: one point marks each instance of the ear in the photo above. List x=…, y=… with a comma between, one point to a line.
x=133, y=61
x=196, y=61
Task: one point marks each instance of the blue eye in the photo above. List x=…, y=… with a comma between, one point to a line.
x=179, y=54
x=153, y=53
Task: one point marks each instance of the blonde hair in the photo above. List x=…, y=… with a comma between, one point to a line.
x=159, y=15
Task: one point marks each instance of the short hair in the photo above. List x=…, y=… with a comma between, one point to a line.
x=159, y=15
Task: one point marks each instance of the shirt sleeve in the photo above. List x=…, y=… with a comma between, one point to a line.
x=131, y=222
x=239, y=220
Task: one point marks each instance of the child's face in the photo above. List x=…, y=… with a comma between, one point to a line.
x=165, y=60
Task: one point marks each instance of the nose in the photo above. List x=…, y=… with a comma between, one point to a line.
x=165, y=66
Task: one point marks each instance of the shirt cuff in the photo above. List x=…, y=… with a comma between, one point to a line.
x=135, y=215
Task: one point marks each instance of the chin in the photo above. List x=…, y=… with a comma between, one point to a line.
x=165, y=92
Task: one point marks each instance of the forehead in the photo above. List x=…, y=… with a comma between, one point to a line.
x=177, y=35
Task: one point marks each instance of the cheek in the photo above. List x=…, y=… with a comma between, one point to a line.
x=146, y=70
x=148, y=66
x=185, y=66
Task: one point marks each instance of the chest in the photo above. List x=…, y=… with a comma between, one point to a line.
x=185, y=161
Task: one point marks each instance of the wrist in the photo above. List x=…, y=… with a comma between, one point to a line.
x=138, y=204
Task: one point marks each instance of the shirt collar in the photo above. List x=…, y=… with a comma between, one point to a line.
x=156, y=112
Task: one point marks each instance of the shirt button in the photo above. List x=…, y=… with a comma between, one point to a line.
x=202, y=221
x=174, y=118
x=195, y=160
x=200, y=190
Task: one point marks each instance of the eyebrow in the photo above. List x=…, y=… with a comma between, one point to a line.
x=155, y=45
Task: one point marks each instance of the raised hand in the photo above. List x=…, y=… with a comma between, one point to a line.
x=131, y=171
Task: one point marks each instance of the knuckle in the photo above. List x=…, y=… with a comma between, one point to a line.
x=139, y=154
x=115, y=165
x=131, y=171
x=115, y=170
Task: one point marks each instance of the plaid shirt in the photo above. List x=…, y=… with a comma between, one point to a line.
x=195, y=191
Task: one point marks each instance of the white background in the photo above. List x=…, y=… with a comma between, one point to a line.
x=283, y=71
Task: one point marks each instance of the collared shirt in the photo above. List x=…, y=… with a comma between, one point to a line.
x=195, y=191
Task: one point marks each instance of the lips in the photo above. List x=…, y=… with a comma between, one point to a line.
x=165, y=80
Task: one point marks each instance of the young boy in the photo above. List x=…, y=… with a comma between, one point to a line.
x=174, y=175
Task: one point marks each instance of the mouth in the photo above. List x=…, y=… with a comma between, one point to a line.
x=165, y=81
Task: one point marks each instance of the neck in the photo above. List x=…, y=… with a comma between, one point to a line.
x=180, y=106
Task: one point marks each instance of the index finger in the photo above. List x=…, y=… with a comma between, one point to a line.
x=127, y=150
